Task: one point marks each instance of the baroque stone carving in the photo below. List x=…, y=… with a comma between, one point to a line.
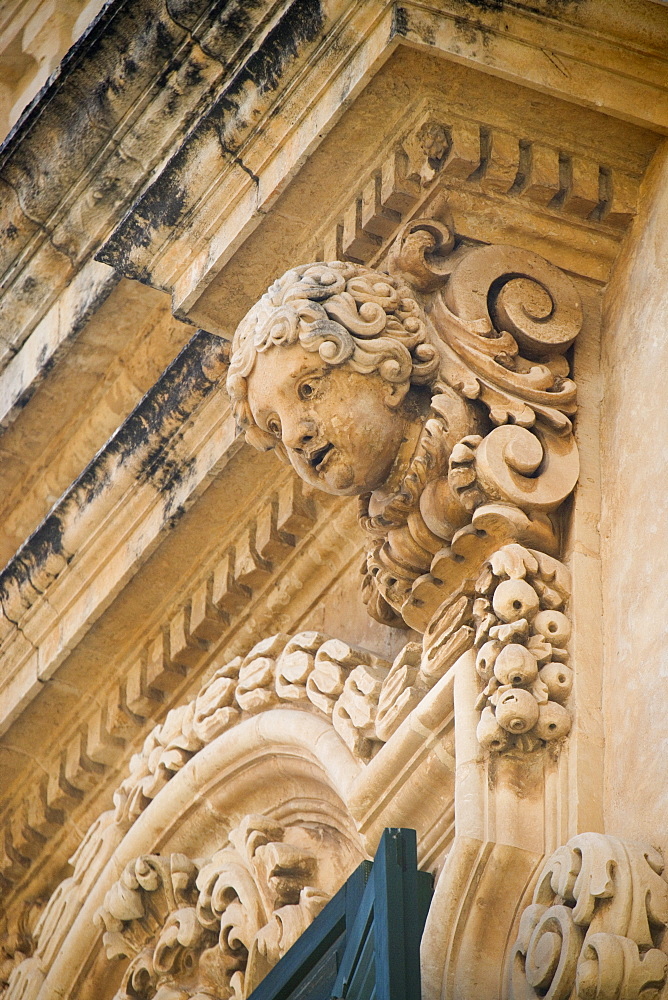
x=513, y=615
x=438, y=392
x=213, y=929
x=308, y=670
x=521, y=634
x=17, y=944
x=599, y=911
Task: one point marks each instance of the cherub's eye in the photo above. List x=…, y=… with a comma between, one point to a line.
x=306, y=390
x=274, y=426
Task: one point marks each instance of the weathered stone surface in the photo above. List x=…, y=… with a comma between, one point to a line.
x=192, y=694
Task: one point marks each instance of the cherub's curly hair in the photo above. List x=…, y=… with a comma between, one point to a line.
x=349, y=314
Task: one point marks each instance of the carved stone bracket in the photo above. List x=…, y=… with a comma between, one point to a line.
x=213, y=928
x=469, y=343
x=503, y=319
x=599, y=911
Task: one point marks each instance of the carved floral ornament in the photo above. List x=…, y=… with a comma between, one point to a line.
x=592, y=932
x=439, y=393
x=154, y=913
x=211, y=930
x=475, y=447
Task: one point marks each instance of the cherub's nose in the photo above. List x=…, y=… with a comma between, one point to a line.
x=298, y=434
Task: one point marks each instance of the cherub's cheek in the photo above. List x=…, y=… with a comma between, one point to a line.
x=339, y=423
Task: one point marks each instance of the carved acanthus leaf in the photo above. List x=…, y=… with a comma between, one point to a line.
x=501, y=319
x=599, y=911
x=213, y=928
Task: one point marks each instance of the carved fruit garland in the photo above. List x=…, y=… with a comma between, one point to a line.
x=521, y=635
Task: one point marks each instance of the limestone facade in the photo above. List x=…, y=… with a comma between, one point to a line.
x=332, y=382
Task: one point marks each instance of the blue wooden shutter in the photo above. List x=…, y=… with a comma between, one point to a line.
x=365, y=944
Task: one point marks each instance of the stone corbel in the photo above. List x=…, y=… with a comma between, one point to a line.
x=503, y=319
x=463, y=736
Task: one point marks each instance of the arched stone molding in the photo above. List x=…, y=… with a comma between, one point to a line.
x=290, y=765
x=470, y=925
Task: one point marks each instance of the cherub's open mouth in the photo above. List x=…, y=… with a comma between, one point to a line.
x=317, y=458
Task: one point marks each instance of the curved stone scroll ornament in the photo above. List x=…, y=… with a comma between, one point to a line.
x=211, y=930
x=465, y=442
x=599, y=911
x=503, y=318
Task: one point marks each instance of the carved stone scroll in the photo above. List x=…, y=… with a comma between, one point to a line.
x=454, y=365
x=599, y=911
x=503, y=319
x=213, y=928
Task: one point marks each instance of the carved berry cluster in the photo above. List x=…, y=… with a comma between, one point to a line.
x=521, y=636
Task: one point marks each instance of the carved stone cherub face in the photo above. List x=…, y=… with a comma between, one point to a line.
x=341, y=430
x=322, y=369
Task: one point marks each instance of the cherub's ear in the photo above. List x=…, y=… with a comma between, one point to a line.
x=395, y=393
x=262, y=440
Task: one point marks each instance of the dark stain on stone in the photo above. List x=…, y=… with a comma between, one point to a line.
x=25, y=397
x=86, y=98
x=399, y=21
x=44, y=543
x=486, y=4
x=85, y=308
x=302, y=23
x=164, y=202
x=175, y=516
x=472, y=32
x=168, y=404
x=186, y=12
x=193, y=74
x=228, y=26
x=147, y=436
x=167, y=473
x=161, y=206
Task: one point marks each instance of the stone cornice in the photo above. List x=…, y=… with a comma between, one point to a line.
x=150, y=457
x=147, y=80
x=223, y=199
x=122, y=100
x=233, y=598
